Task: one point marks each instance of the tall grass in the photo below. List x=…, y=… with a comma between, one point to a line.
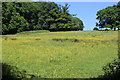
x=80, y=54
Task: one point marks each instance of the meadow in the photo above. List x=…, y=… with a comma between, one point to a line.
x=70, y=54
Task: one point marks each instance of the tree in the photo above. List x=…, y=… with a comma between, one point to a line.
x=22, y=16
x=95, y=28
x=109, y=17
x=77, y=24
x=12, y=21
x=118, y=17
x=16, y=0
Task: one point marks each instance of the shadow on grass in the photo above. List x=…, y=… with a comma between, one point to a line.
x=12, y=73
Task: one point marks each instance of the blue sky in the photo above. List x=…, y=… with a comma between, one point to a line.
x=86, y=11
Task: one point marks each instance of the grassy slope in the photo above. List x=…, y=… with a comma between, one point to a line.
x=39, y=54
x=32, y=32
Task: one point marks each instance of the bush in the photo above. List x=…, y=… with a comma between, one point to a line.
x=95, y=28
x=66, y=39
x=112, y=70
x=13, y=38
x=12, y=73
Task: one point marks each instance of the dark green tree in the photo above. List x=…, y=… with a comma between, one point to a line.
x=109, y=17
x=12, y=21
x=77, y=24
x=95, y=28
x=25, y=16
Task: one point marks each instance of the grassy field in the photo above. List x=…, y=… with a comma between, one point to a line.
x=72, y=54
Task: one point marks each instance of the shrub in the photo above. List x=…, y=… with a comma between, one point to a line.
x=13, y=38
x=37, y=39
x=66, y=39
x=12, y=73
x=112, y=70
x=95, y=28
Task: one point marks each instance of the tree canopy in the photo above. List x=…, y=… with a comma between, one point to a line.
x=109, y=17
x=25, y=16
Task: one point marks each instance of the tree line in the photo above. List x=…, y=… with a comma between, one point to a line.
x=26, y=16
x=109, y=17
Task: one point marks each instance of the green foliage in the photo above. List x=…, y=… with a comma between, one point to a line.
x=112, y=70
x=16, y=0
x=77, y=24
x=109, y=17
x=21, y=16
x=95, y=28
x=13, y=73
x=12, y=21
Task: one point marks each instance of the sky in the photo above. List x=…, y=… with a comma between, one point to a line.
x=87, y=10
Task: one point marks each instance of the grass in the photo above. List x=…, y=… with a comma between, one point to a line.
x=72, y=54
x=35, y=31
